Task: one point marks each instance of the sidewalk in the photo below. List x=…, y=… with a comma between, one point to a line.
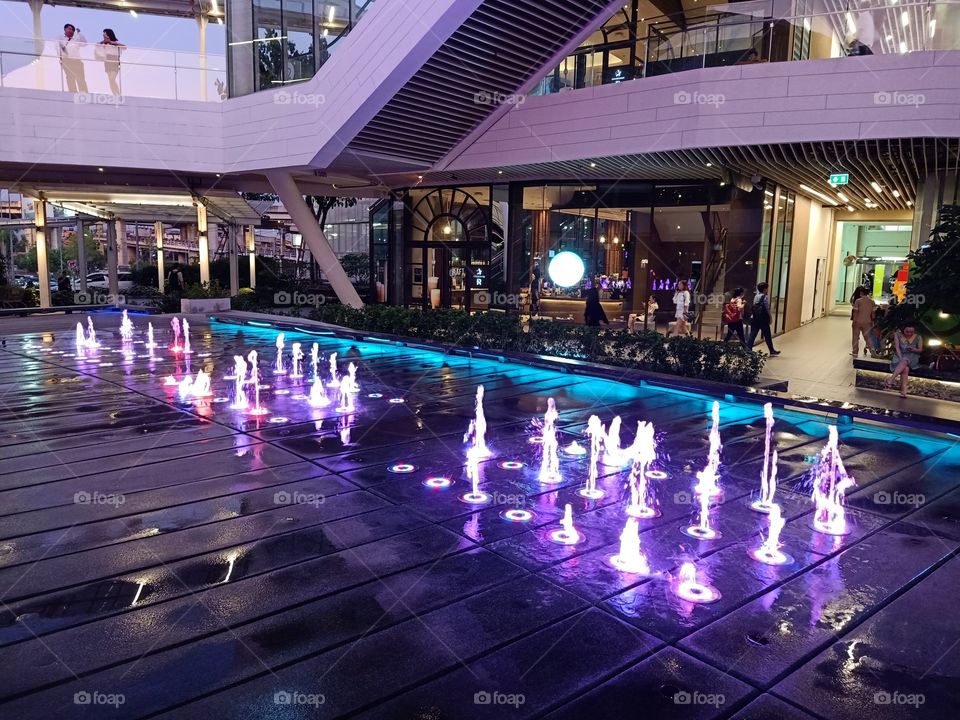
x=816, y=361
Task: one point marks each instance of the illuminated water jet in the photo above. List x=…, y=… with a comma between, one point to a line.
x=566, y=534
x=691, y=589
x=830, y=484
x=476, y=496
x=769, y=551
x=239, y=383
x=702, y=530
x=768, y=473
x=278, y=368
x=597, y=433
x=645, y=453
x=708, y=479
x=253, y=363
x=550, y=461
x=297, y=360
x=175, y=327
x=334, y=372
x=126, y=327
x=186, y=337
x=631, y=559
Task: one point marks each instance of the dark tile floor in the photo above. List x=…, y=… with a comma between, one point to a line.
x=181, y=559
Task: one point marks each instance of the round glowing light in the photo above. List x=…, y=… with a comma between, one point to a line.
x=760, y=506
x=511, y=465
x=695, y=531
x=657, y=475
x=575, y=449
x=375, y=396
x=516, y=515
x=437, y=482
x=279, y=419
x=480, y=498
x=591, y=493
x=770, y=557
x=402, y=468
x=642, y=512
x=281, y=392
x=562, y=537
x=106, y=364
x=697, y=593
x=396, y=401
x=566, y=269
x=535, y=440
x=221, y=399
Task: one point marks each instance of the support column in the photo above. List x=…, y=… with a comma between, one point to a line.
x=81, y=256
x=203, y=243
x=234, y=231
x=161, y=271
x=291, y=197
x=112, y=258
x=202, y=27
x=40, y=238
x=120, y=238
x=251, y=243
x=925, y=210
x=35, y=7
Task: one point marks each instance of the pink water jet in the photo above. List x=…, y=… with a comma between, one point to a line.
x=476, y=496
x=550, y=461
x=645, y=453
x=253, y=363
x=830, y=484
x=708, y=479
x=631, y=558
x=702, y=530
x=477, y=430
x=597, y=434
x=296, y=358
x=334, y=372
x=689, y=588
x=769, y=551
x=151, y=343
x=186, y=337
x=278, y=368
x=239, y=383
x=126, y=327
x=768, y=473
x=175, y=327
x=566, y=534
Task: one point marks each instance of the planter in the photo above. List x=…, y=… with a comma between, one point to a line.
x=203, y=306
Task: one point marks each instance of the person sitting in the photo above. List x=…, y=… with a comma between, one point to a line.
x=593, y=313
x=907, y=346
x=751, y=57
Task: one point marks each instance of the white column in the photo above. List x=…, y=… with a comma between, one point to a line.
x=121, y=240
x=81, y=256
x=35, y=7
x=251, y=243
x=202, y=26
x=161, y=272
x=291, y=197
x=112, y=258
x=232, y=256
x=203, y=243
x=40, y=238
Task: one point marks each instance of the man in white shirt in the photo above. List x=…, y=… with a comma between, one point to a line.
x=862, y=43
x=71, y=43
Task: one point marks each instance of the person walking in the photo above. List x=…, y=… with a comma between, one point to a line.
x=760, y=318
x=733, y=316
x=71, y=43
x=109, y=51
x=907, y=346
x=681, y=301
x=593, y=313
x=175, y=281
x=861, y=319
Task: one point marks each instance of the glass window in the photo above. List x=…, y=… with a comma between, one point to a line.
x=298, y=30
x=269, y=43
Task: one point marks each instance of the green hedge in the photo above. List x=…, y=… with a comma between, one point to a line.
x=686, y=356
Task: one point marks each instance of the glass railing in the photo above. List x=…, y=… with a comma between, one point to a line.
x=102, y=75
x=757, y=31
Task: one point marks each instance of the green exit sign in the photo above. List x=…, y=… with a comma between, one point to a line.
x=839, y=179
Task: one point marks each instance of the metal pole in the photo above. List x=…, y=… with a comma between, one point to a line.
x=40, y=238
x=112, y=259
x=161, y=273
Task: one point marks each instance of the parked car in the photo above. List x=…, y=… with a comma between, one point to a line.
x=102, y=280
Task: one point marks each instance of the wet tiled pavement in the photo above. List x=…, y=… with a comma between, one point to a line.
x=162, y=557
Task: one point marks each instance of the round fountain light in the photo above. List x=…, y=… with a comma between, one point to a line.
x=695, y=531
x=631, y=566
x=396, y=401
x=575, y=449
x=106, y=364
x=279, y=419
x=374, y=396
x=475, y=498
x=437, y=482
x=535, y=440
x=221, y=399
x=510, y=465
x=301, y=396
x=562, y=537
x=402, y=468
x=642, y=512
x=203, y=355
x=771, y=557
x=281, y=392
x=657, y=474
x=517, y=515
x=591, y=493
x=259, y=411
x=760, y=506
x=698, y=593
x=837, y=528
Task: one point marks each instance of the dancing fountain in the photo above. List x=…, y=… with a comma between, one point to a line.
x=768, y=473
x=830, y=484
x=597, y=433
x=645, y=453
x=613, y=454
x=567, y=534
x=81, y=341
x=126, y=327
x=278, y=368
x=186, y=337
x=296, y=357
x=252, y=361
x=476, y=496
x=550, y=461
x=769, y=551
x=315, y=361
x=151, y=343
x=201, y=385
x=318, y=394
x=478, y=426
x=239, y=381
x=91, y=340
x=702, y=530
x=334, y=372
x=574, y=449
x=708, y=479
x=691, y=589
x=631, y=559
x=175, y=326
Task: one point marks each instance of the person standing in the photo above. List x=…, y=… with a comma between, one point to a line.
x=71, y=43
x=593, y=313
x=175, y=281
x=109, y=51
x=733, y=316
x=760, y=318
x=862, y=39
x=861, y=319
x=681, y=301
x=907, y=346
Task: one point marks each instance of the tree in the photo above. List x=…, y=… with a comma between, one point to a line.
x=357, y=267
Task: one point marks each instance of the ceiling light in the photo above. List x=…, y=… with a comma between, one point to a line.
x=896, y=193
x=593, y=164
x=709, y=164
x=133, y=13
x=843, y=197
x=447, y=229
x=850, y=208
x=99, y=169
x=603, y=239
x=905, y=18
x=678, y=227
x=876, y=186
x=616, y=241
x=903, y=47
x=820, y=195
x=933, y=27
x=333, y=13
x=909, y=203
x=499, y=172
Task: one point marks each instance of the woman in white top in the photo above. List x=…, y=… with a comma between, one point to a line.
x=681, y=299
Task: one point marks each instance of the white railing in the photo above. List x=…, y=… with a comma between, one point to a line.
x=140, y=72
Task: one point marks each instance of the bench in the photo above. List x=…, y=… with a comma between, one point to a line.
x=924, y=381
